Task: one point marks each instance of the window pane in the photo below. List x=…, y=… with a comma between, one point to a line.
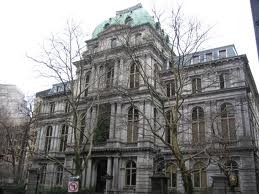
x=133, y=181
x=173, y=180
x=194, y=132
x=196, y=178
x=221, y=81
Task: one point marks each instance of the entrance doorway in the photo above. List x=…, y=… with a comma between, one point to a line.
x=101, y=172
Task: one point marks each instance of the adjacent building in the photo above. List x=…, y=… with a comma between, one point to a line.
x=221, y=95
x=13, y=116
x=255, y=15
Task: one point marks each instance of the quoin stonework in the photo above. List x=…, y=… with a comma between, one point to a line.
x=221, y=99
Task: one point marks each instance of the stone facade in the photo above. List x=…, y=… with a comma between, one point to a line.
x=127, y=156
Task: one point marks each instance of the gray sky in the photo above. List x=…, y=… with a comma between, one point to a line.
x=26, y=24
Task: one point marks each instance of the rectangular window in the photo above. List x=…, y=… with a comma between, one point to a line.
x=109, y=77
x=222, y=53
x=138, y=38
x=67, y=107
x=196, y=85
x=196, y=59
x=208, y=56
x=87, y=79
x=113, y=42
x=48, y=139
x=52, y=107
x=223, y=80
x=63, y=138
x=82, y=127
x=170, y=88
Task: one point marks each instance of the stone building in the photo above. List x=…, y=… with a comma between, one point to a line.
x=12, y=118
x=255, y=15
x=219, y=80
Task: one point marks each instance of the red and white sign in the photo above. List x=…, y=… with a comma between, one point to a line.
x=73, y=186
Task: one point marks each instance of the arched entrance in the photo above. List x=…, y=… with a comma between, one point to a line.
x=101, y=172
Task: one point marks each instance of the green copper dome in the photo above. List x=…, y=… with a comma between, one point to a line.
x=135, y=16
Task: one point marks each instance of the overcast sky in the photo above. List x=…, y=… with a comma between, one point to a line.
x=26, y=24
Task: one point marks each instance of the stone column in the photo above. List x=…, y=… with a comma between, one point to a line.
x=116, y=73
x=109, y=172
x=92, y=79
x=115, y=173
x=112, y=119
x=118, y=124
x=141, y=132
x=89, y=173
x=120, y=71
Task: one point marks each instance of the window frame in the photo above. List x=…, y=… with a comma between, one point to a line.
x=134, y=77
x=130, y=174
x=196, y=85
x=63, y=138
x=59, y=175
x=113, y=42
x=43, y=174
x=87, y=81
x=52, y=107
x=133, y=122
x=170, y=170
x=48, y=139
x=220, y=53
x=228, y=120
x=198, y=122
x=202, y=176
x=109, y=76
x=170, y=88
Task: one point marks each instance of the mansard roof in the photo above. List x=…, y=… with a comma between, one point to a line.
x=56, y=89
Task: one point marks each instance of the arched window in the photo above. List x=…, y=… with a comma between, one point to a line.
x=198, y=125
x=128, y=21
x=133, y=118
x=196, y=85
x=134, y=76
x=43, y=171
x=131, y=173
x=169, y=121
x=199, y=176
x=171, y=173
x=63, y=138
x=228, y=121
x=59, y=175
x=48, y=138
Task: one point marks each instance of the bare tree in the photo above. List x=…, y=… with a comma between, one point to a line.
x=62, y=59
x=15, y=130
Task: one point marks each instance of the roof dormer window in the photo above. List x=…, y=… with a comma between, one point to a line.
x=128, y=20
x=106, y=25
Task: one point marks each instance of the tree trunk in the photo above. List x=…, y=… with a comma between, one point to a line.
x=186, y=176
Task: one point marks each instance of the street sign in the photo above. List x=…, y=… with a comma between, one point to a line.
x=73, y=186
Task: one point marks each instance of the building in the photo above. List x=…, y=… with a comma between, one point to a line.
x=255, y=14
x=12, y=119
x=219, y=80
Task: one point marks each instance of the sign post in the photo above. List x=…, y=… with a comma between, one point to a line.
x=73, y=184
